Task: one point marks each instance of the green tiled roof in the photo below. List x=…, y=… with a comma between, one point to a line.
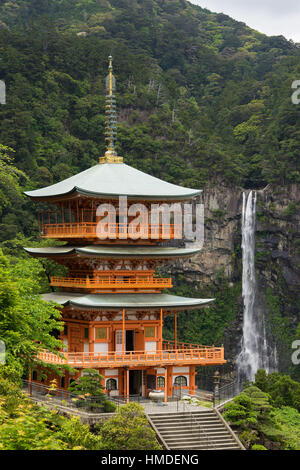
x=127, y=301
x=114, y=251
x=113, y=180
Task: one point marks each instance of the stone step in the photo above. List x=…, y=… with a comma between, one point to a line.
x=218, y=432
x=184, y=418
x=198, y=430
x=216, y=426
x=200, y=441
x=205, y=448
x=182, y=414
x=186, y=423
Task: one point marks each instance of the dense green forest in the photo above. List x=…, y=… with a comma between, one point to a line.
x=201, y=96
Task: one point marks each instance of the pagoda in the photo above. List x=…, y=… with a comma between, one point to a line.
x=112, y=303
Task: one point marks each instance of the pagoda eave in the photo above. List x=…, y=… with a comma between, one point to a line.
x=122, y=252
x=126, y=301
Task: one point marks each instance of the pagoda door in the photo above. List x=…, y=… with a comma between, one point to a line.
x=119, y=341
x=75, y=339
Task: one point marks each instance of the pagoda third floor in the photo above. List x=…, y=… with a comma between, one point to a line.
x=112, y=202
x=82, y=220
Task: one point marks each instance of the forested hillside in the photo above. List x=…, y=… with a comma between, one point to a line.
x=201, y=97
x=203, y=101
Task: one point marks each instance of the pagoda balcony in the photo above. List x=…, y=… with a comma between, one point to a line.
x=201, y=355
x=136, y=282
x=114, y=231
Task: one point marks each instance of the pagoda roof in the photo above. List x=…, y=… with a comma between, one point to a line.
x=113, y=251
x=110, y=180
x=127, y=301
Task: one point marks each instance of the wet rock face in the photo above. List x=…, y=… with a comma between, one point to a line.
x=277, y=248
x=222, y=210
x=278, y=237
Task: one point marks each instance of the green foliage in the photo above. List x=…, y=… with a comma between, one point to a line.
x=109, y=407
x=89, y=383
x=251, y=407
x=205, y=326
x=88, y=386
x=281, y=388
x=128, y=430
x=27, y=323
x=263, y=415
x=201, y=96
x=290, y=210
x=26, y=426
x=289, y=421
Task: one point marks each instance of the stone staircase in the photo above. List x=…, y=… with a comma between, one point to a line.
x=201, y=430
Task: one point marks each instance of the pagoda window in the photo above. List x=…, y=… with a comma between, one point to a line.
x=101, y=333
x=149, y=331
x=160, y=381
x=65, y=330
x=181, y=381
x=34, y=375
x=111, y=384
x=62, y=382
x=86, y=333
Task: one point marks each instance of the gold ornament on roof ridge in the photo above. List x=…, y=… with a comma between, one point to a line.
x=111, y=155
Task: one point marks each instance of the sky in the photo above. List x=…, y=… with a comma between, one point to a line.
x=272, y=17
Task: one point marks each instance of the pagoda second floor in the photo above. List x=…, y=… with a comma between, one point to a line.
x=100, y=269
x=112, y=281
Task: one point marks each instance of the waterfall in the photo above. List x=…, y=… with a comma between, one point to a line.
x=254, y=347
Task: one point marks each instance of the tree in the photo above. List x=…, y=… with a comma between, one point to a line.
x=251, y=407
x=27, y=323
x=89, y=390
x=283, y=390
x=88, y=383
x=128, y=430
x=28, y=426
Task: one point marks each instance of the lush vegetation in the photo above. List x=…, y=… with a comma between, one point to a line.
x=128, y=430
x=27, y=323
x=27, y=426
x=201, y=96
x=266, y=414
x=207, y=327
x=89, y=392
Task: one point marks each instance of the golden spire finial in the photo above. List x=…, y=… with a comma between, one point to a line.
x=111, y=123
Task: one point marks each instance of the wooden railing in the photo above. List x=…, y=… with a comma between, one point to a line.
x=113, y=231
x=112, y=283
x=202, y=356
x=170, y=345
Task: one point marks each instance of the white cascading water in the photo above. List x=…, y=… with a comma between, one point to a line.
x=254, y=348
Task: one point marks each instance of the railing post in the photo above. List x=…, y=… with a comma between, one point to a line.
x=166, y=386
x=127, y=385
x=216, y=387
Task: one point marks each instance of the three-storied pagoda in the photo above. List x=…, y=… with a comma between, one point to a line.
x=112, y=303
